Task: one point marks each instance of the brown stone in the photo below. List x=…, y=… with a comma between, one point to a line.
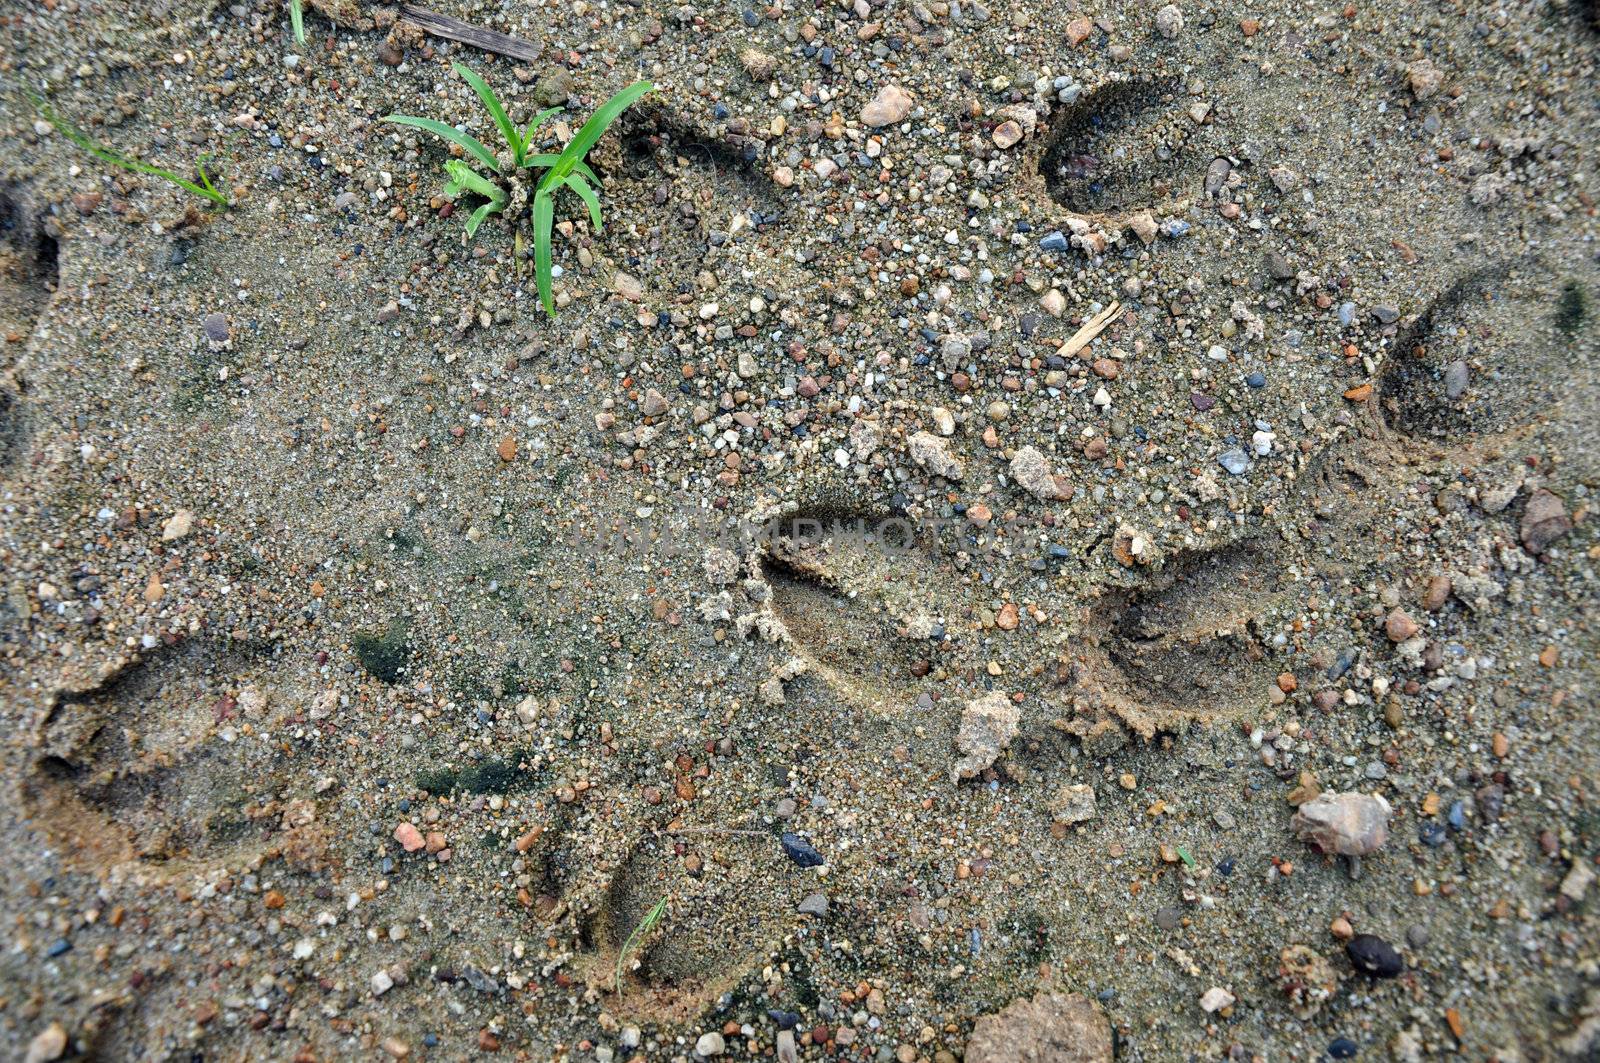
x=1050, y=1028
x=1544, y=520
x=1399, y=626
x=1437, y=594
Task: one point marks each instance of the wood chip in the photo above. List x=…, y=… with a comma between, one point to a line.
x=454, y=29
x=1091, y=328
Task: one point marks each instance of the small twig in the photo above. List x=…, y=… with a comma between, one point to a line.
x=453, y=29
x=1091, y=328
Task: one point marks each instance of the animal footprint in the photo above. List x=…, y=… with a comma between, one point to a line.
x=1181, y=649
x=1490, y=354
x=694, y=955
x=693, y=195
x=1128, y=145
x=29, y=273
x=854, y=592
x=136, y=769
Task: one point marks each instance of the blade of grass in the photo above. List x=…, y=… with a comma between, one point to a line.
x=206, y=190
x=467, y=141
x=545, y=161
x=537, y=121
x=543, y=219
x=587, y=194
x=297, y=19
x=491, y=103
x=465, y=178
x=477, y=217
x=601, y=120
x=205, y=179
x=647, y=924
x=573, y=154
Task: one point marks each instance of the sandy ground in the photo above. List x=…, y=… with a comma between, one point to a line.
x=378, y=653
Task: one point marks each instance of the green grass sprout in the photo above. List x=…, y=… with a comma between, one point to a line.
x=297, y=19
x=204, y=188
x=570, y=170
x=464, y=178
x=647, y=924
x=471, y=144
x=1184, y=853
x=565, y=169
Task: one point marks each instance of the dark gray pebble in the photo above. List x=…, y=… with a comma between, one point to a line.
x=1374, y=956
x=800, y=851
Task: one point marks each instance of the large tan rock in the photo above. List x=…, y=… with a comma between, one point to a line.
x=888, y=107
x=988, y=725
x=1050, y=1028
x=1349, y=824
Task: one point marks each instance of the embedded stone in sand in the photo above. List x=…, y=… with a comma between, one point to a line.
x=1059, y=1027
x=987, y=727
x=1344, y=824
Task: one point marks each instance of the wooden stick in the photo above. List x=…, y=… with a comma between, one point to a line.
x=1091, y=328
x=466, y=33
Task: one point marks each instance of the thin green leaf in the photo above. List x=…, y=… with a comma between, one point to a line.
x=297, y=19
x=544, y=217
x=545, y=161
x=602, y=118
x=587, y=194
x=465, y=178
x=1184, y=853
x=205, y=179
x=537, y=121
x=477, y=217
x=491, y=103
x=206, y=190
x=573, y=154
x=647, y=924
x=467, y=141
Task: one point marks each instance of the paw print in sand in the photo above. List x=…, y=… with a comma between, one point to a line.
x=157, y=767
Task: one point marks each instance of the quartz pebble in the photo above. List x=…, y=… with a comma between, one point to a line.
x=1169, y=21
x=1344, y=824
x=48, y=1044
x=891, y=105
